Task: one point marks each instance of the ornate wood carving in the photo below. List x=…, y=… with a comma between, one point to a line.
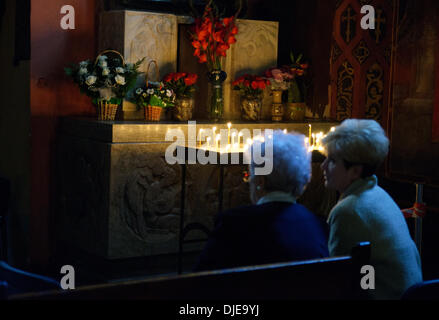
x=361, y=61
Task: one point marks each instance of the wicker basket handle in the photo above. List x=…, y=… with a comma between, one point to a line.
x=156, y=68
x=110, y=51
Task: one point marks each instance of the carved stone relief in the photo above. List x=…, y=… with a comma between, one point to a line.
x=254, y=52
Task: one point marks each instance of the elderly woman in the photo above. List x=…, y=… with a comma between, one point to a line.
x=365, y=212
x=275, y=228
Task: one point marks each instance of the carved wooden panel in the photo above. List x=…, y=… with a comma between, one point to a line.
x=364, y=58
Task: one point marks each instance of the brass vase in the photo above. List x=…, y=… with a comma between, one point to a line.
x=183, y=109
x=251, y=108
x=295, y=111
x=277, y=108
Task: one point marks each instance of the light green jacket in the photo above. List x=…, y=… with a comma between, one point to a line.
x=365, y=212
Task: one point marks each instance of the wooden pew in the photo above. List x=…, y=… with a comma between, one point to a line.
x=329, y=278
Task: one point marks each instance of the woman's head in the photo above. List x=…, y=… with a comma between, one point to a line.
x=291, y=166
x=355, y=149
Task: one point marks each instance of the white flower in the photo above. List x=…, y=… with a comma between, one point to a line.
x=90, y=80
x=102, y=58
x=150, y=91
x=103, y=63
x=120, y=70
x=120, y=80
x=105, y=72
x=144, y=95
x=83, y=64
x=129, y=66
x=139, y=90
x=168, y=93
x=83, y=71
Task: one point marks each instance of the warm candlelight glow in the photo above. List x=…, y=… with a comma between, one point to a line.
x=285, y=131
x=200, y=135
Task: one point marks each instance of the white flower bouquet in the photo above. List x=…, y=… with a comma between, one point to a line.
x=108, y=78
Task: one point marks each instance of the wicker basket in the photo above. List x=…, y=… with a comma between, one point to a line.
x=152, y=113
x=106, y=110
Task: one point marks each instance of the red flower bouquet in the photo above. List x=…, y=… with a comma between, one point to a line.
x=212, y=36
x=250, y=85
x=182, y=83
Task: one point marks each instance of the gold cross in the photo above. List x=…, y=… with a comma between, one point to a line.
x=379, y=20
x=349, y=18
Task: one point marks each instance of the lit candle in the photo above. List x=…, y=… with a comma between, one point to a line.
x=229, y=124
x=285, y=131
x=208, y=141
x=332, y=129
x=309, y=133
x=233, y=137
x=201, y=131
x=239, y=138
x=218, y=137
x=313, y=139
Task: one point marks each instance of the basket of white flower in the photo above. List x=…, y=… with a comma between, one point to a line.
x=154, y=96
x=106, y=80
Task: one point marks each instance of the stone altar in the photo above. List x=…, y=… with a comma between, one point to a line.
x=118, y=198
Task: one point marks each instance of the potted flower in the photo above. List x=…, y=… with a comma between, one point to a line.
x=183, y=85
x=106, y=80
x=296, y=90
x=154, y=97
x=250, y=89
x=211, y=37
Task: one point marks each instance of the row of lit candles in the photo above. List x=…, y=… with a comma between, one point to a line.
x=313, y=141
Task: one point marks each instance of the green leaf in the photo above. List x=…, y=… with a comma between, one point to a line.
x=292, y=57
x=299, y=58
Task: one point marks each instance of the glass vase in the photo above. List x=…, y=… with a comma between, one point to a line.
x=216, y=99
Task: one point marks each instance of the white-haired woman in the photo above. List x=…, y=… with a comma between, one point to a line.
x=275, y=228
x=365, y=212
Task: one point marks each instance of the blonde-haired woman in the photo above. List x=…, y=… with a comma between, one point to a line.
x=365, y=212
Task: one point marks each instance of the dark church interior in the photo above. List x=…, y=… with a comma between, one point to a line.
x=95, y=197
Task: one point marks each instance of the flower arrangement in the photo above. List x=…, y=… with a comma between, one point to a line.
x=108, y=78
x=279, y=78
x=212, y=36
x=182, y=83
x=154, y=94
x=250, y=85
x=296, y=89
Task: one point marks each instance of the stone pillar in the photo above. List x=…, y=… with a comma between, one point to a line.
x=137, y=34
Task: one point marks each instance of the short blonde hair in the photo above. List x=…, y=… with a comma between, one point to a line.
x=358, y=142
